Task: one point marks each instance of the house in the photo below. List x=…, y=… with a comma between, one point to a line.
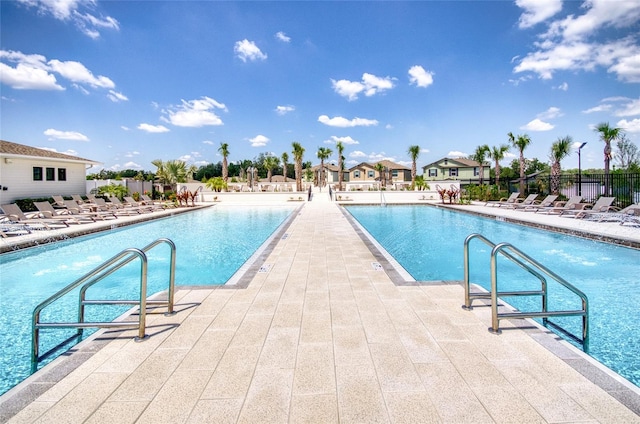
x=366, y=174
x=29, y=172
x=455, y=169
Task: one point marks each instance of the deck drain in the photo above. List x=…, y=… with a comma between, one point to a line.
x=376, y=266
x=265, y=268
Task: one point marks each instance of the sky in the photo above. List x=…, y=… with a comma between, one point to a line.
x=127, y=82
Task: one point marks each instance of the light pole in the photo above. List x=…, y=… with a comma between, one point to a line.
x=580, y=170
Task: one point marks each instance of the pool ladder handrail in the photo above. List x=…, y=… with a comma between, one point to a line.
x=93, y=277
x=538, y=270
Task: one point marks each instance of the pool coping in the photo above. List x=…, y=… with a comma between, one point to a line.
x=602, y=376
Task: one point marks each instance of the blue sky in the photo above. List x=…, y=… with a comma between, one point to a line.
x=127, y=82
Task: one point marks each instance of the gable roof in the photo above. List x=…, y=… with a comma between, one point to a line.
x=8, y=148
x=386, y=163
x=454, y=162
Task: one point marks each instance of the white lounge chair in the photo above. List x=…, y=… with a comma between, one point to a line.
x=602, y=205
x=522, y=202
x=505, y=200
x=46, y=210
x=559, y=207
x=13, y=214
x=544, y=203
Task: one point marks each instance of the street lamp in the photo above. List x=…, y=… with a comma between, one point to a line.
x=580, y=170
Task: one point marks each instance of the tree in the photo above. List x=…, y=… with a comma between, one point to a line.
x=323, y=154
x=607, y=134
x=560, y=149
x=340, y=148
x=520, y=142
x=414, y=152
x=380, y=168
x=270, y=162
x=628, y=155
x=285, y=159
x=497, y=154
x=298, y=153
x=480, y=156
x=224, y=151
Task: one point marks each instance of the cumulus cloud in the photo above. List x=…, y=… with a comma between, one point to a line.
x=65, y=135
x=344, y=140
x=369, y=85
x=551, y=113
x=247, y=50
x=209, y=142
x=420, y=77
x=621, y=106
x=357, y=154
x=283, y=110
x=457, y=154
x=259, y=141
x=567, y=44
x=537, y=125
x=153, y=128
x=80, y=13
x=339, y=121
x=194, y=113
x=282, y=37
x=632, y=126
x=132, y=165
x=536, y=11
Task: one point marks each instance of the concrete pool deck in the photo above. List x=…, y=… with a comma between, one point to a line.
x=325, y=332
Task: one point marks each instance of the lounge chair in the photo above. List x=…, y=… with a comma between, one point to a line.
x=79, y=200
x=13, y=214
x=602, y=205
x=58, y=202
x=143, y=206
x=75, y=209
x=544, y=203
x=522, y=202
x=631, y=214
x=128, y=206
x=559, y=207
x=630, y=211
x=146, y=200
x=505, y=200
x=45, y=210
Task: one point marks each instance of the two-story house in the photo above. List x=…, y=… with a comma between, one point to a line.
x=455, y=169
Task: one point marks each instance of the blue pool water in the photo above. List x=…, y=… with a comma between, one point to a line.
x=428, y=243
x=212, y=244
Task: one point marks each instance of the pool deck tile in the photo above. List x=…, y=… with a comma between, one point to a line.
x=321, y=335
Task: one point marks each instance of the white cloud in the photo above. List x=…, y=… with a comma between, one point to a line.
x=69, y=152
x=457, y=154
x=599, y=108
x=77, y=72
x=341, y=122
x=132, y=165
x=425, y=150
x=209, y=142
x=283, y=110
x=116, y=97
x=357, y=154
x=131, y=154
x=370, y=85
x=259, y=141
x=567, y=45
x=536, y=11
x=537, y=125
x=124, y=127
x=282, y=37
x=65, y=135
x=551, y=113
x=420, y=77
x=194, y=113
x=153, y=128
x=247, y=50
x=78, y=12
x=632, y=126
x=564, y=87
x=624, y=106
x=345, y=140
x=631, y=108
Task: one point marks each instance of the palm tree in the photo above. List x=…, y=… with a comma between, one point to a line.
x=414, y=152
x=323, y=154
x=520, y=142
x=340, y=148
x=161, y=174
x=269, y=163
x=607, y=134
x=224, y=151
x=298, y=153
x=497, y=154
x=560, y=149
x=285, y=160
x=480, y=156
x=380, y=168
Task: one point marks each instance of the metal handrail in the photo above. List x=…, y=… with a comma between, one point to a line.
x=96, y=275
x=535, y=268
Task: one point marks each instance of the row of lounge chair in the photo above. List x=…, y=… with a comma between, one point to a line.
x=601, y=210
x=64, y=212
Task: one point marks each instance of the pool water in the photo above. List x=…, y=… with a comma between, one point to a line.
x=428, y=243
x=211, y=245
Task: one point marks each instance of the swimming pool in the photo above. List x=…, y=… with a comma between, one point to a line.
x=428, y=243
x=212, y=244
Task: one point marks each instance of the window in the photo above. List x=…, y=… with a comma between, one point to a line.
x=394, y=173
x=356, y=174
x=37, y=173
x=62, y=174
x=476, y=171
x=453, y=172
x=433, y=172
x=371, y=174
x=51, y=174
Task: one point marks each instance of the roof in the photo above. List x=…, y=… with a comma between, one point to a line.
x=8, y=148
x=455, y=161
x=386, y=163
